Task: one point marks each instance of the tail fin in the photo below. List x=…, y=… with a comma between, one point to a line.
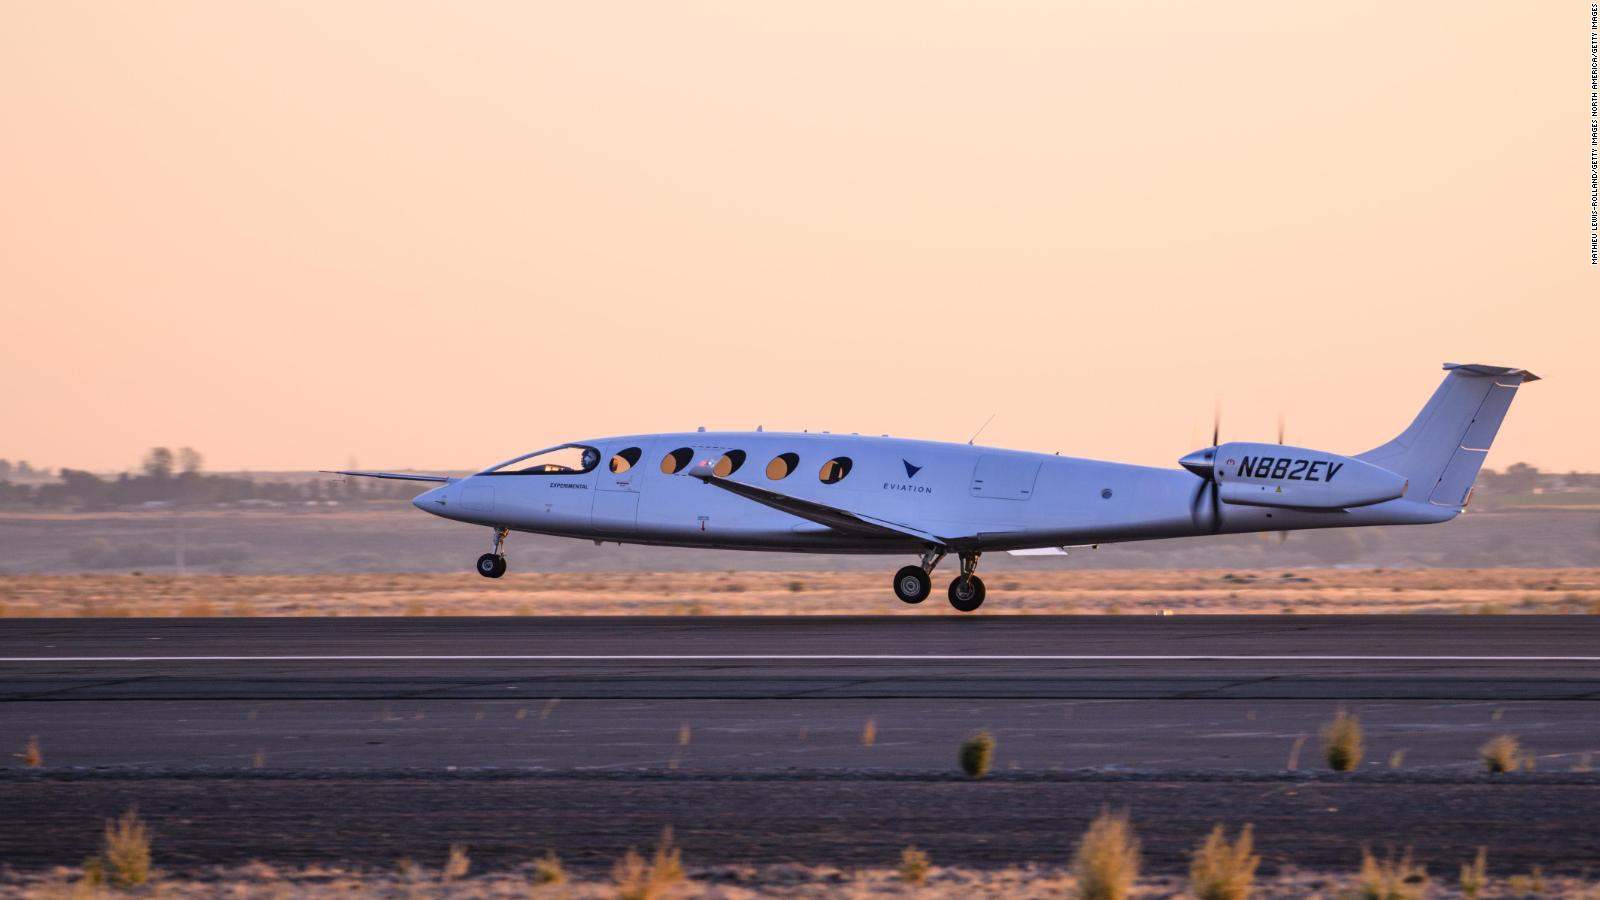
x=1444, y=447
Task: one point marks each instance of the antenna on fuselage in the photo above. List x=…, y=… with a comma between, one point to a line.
x=982, y=427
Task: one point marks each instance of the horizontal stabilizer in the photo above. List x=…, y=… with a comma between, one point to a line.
x=397, y=476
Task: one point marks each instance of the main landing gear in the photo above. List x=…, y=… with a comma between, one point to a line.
x=493, y=565
x=912, y=584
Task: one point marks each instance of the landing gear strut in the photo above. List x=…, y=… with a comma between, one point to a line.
x=493, y=565
x=912, y=584
x=966, y=591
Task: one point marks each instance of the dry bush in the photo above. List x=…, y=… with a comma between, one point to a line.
x=1342, y=741
x=1475, y=874
x=457, y=864
x=547, y=870
x=1106, y=862
x=914, y=866
x=977, y=752
x=127, y=850
x=1390, y=878
x=1223, y=871
x=1500, y=754
x=31, y=755
x=638, y=880
x=869, y=733
x=1531, y=883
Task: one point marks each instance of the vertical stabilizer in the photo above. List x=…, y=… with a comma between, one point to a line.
x=1444, y=447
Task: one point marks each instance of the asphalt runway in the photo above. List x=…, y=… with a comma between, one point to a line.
x=828, y=740
x=772, y=693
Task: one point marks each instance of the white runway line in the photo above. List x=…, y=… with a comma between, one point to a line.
x=796, y=657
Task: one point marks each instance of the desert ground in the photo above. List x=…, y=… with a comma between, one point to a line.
x=1015, y=592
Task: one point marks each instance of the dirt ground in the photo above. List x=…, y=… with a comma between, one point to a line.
x=1141, y=592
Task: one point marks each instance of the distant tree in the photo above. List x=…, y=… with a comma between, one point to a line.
x=24, y=470
x=5, y=468
x=189, y=460
x=1518, y=478
x=158, y=463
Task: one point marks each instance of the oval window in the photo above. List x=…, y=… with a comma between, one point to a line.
x=782, y=465
x=625, y=460
x=834, y=470
x=677, y=461
x=728, y=464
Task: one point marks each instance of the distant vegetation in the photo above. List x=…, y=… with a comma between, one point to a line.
x=177, y=478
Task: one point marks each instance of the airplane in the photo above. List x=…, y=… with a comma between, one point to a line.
x=818, y=492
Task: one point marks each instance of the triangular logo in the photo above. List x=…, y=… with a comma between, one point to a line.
x=911, y=471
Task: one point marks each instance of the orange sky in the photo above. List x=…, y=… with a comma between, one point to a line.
x=299, y=234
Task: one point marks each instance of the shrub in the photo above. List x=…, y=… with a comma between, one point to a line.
x=977, y=752
x=547, y=870
x=914, y=866
x=1106, y=862
x=32, y=756
x=1474, y=874
x=1223, y=871
x=1341, y=741
x=1500, y=754
x=1390, y=879
x=637, y=880
x=1531, y=883
x=458, y=863
x=127, y=850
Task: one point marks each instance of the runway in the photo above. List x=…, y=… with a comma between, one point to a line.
x=768, y=693
x=810, y=740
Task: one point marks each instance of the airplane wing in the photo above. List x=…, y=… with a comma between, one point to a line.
x=831, y=516
x=398, y=476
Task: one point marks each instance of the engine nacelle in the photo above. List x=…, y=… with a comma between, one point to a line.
x=1278, y=475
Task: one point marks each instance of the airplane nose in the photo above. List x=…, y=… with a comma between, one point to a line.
x=433, y=500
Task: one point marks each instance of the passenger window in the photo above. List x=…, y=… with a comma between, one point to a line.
x=677, y=461
x=782, y=465
x=728, y=464
x=834, y=470
x=625, y=460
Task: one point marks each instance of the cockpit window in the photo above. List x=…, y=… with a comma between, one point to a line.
x=568, y=459
x=625, y=460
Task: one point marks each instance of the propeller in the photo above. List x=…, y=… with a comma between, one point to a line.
x=1203, y=464
x=1283, y=536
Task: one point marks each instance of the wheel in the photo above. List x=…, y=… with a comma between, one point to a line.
x=912, y=585
x=491, y=565
x=966, y=595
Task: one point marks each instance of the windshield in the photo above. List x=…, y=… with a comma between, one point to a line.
x=567, y=459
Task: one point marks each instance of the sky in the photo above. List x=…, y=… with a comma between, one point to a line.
x=298, y=235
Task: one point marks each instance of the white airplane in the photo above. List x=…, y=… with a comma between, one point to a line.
x=836, y=493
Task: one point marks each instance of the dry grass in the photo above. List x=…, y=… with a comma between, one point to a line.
x=977, y=752
x=457, y=864
x=1223, y=871
x=869, y=733
x=1342, y=741
x=126, y=851
x=1475, y=875
x=1131, y=591
x=914, y=866
x=1390, y=878
x=1500, y=754
x=31, y=755
x=1106, y=862
x=547, y=870
x=1531, y=883
x=638, y=880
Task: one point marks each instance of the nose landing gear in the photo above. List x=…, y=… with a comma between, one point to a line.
x=493, y=565
x=966, y=591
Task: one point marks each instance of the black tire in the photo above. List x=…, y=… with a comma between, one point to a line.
x=491, y=566
x=966, y=595
x=912, y=585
